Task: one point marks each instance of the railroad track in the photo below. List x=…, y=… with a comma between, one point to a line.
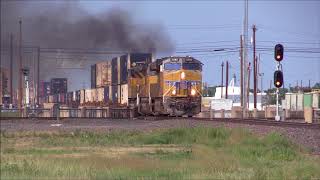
x=250, y=121
x=266, y=122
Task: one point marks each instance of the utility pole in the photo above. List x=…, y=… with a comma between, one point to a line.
x=38, y=75
x=20, y=68
x=241, y=71
x=227, y=78
x=301, y=84
x=245, y=60
x=254, y=68
x=261, y=91
x=248, y=87
x=309, y=84
x=222, y=64
x=11, y=68
x=270, y=84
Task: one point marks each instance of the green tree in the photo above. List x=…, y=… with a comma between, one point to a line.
x=316, y=86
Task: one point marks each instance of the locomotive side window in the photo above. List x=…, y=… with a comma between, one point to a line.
x=172, y=66
x=191, y=66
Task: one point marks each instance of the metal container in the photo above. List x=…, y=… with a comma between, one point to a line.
x=82, y=96
x=124, y=69
x=293, y=100
x=50, y=100
x=114, y=95
x=93, y=76
x=62, y=98
x=44, y=89
x=288, y=101
x=100, y=94
x=124, y=94
x=69, y=98
x=114, y=71
x=307, y=100
x=58, y=85
x=139, y=58
x=90, y=95
x=300, y=102
x=315, y=100
x=106, y=95
x=103, y=74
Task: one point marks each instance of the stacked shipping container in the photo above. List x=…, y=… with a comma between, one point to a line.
x=109, y=82
x=58, y=85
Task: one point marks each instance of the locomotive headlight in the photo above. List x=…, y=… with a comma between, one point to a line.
x=193, y=92
x=174, y=92
x=183, y=75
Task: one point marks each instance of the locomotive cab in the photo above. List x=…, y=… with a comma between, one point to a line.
x=182, y=81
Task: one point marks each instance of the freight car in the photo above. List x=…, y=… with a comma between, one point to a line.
x=167, y=86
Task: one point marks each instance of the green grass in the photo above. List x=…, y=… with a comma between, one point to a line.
x=183, y=153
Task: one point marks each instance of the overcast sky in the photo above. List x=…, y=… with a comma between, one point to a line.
x=203, y=24
x=209, y=25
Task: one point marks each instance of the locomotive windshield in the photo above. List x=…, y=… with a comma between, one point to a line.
x=172, y=66
x=191, y=66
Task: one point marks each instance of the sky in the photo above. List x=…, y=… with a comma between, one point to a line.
x=210, y=25
x=218, y=24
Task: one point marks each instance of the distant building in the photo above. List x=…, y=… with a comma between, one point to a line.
x=234, y=95
x=4, y=86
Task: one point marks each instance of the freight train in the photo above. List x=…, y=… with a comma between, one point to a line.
x=166, y=86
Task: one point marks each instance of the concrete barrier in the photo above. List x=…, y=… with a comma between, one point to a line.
x=270, y=112
x=255, y=113
x=308, y=113
x=236, y=112
x=222, y=113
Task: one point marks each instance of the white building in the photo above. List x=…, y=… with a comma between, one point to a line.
x=234, y=95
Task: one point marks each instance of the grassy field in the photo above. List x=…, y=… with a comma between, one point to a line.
x=185, y=153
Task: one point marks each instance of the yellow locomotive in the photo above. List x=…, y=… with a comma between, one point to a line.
x=167, y=86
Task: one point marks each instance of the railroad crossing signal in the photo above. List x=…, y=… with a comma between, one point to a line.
x=278, y=78
x=278, y=52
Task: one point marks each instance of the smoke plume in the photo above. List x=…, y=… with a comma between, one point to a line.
x=63, y=25
x=67, y=25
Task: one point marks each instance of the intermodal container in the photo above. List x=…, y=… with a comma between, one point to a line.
x=124, y=94
x=307, y=100
x=44, y=89
x=89, y=95
x=114, y=71
x=124, y=69
x=93, y=76
x=103, y=74
x=106, y=95
x=69, y=98
x=59, y=85
x=114, y=95
x=137, y=58
x=78, y=95
x=300, y=102
x=100, y=94
x=293, y=100
x=315, y=100
x=82, y=96
x=288, y=101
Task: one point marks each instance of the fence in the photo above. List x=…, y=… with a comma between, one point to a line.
x=26, y=112
x=65, y=112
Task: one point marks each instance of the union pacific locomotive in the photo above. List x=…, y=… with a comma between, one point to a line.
x=166, y=86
